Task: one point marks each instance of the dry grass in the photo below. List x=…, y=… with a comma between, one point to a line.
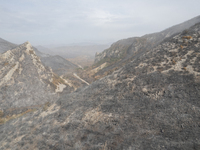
x=185, y=68
x=1, y=119
x=181, y=47
x=159, y=69
x=1, y=113
x=57, y=80
x=46, y=106
x=7, y=118
x=174, y=62
x=104, y=147
x=6, y=64
x=186, y=37
x=98, y=77
x=31, y=52
x=13, y=65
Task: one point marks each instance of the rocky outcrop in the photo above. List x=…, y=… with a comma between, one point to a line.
x=150, y=103
x=58, y=64
x=25, y=81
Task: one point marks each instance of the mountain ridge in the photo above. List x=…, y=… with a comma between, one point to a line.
x=60, y=66
x=125, y=50
x=25, y=81
x=150, y=103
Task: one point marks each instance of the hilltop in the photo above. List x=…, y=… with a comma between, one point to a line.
x=25, y=81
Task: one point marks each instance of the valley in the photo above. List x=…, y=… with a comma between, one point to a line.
x=140, y=93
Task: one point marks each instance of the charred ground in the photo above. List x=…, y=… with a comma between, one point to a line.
x=150, y=103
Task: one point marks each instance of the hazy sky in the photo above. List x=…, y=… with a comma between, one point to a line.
x=45, y=22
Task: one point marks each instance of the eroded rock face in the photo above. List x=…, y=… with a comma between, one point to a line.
x=150, y=103
x=24, y=81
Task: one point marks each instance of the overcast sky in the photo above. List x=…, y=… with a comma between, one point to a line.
x=44, y=22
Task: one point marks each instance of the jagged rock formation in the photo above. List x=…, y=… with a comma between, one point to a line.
x=150, y=103
x=24, y=81
x=5, y=45
x=125, y=50
x=58, y=64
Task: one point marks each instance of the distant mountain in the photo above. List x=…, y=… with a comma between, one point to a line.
x=151, y=103
x=44, y=50
x=39, y=53
x=59, y=64
x=76, y=50
x=25, y=81
x=83, y=61
x=5, y=45
x=80, y=56
x=126, y=50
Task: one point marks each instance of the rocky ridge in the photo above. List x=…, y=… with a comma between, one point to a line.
x=150, y=103
x=123, y=51
x=58, y=64
x=25, y=81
